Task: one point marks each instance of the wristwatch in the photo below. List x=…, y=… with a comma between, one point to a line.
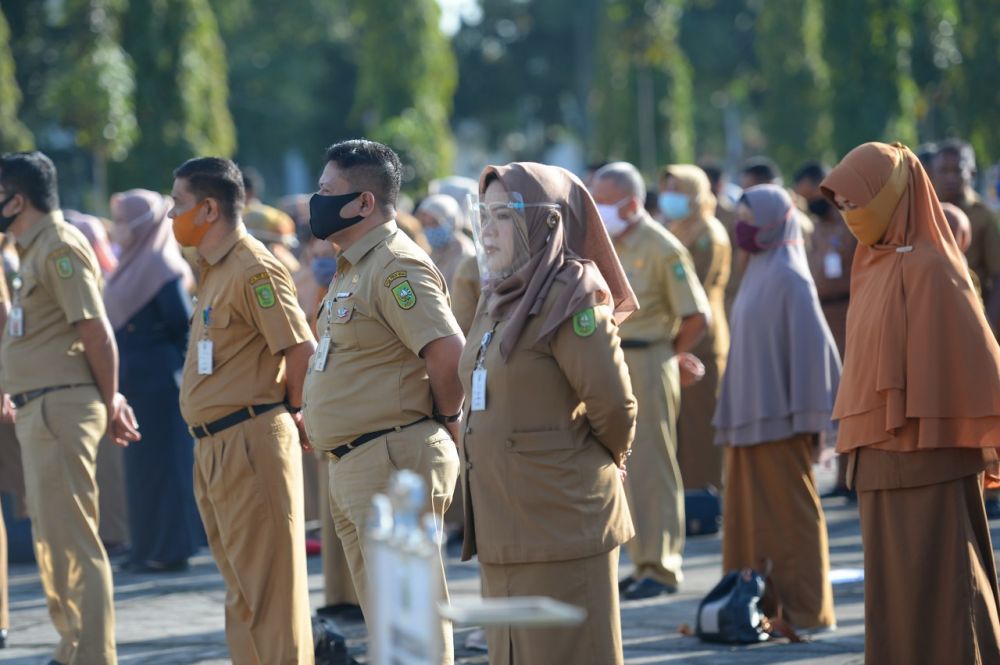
x=447, y=420
x=293, y=409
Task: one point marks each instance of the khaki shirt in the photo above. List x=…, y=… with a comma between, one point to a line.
x=833, y=238
x=711, y=255
x=540, y=478
x=387, y=302
x=984, y=251
x=60, y=285
x=465, y=289
x=254, y=316
x=663, y=279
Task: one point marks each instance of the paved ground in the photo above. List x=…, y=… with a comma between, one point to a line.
x=177, y=618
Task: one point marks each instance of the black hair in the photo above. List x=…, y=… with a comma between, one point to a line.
x=253, y=181
x=369, y=166
x=33, y=176
x=762, y=169
x=216, y=178
x=713, y=171
x=926, y=152
x=814, y=172
x=958, y=148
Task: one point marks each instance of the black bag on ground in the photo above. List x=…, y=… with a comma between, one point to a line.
x=729, y=612
x=331, y=646
x=702, y=511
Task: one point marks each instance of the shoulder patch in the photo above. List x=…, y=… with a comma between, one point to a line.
x=679, y=271
x=63, y=262
x=584, y=323
x=393, y=277
x=405, y=297
x=265, y=294
x=258, y=277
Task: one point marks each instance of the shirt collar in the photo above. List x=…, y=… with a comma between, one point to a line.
x=220, y=251
x=369, y=241
x=36, y=229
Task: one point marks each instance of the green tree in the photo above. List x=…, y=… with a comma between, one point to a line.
x=91, y=85
x=874, y=95
x=406, y=83
x=978, y=79
x=182, y=90
x=793, y=100
x=13, y=134
x=643, y=93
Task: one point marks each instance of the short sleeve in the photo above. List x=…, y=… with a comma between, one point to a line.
x=588, y=351
x=74, y=282
x=413, y=301
x=681, y=286
x=274, y=308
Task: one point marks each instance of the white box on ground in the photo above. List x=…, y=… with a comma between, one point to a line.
x=522, y=611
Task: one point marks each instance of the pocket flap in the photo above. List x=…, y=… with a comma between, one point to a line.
x=342, y=312
x=527, y=442
x=217, y=318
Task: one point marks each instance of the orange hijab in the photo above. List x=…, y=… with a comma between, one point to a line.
x=921, y=367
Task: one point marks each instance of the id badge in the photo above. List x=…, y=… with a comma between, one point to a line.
x=322, y=350
x=478, y=401
x=833, y=267
x=205, y=357
x=15, y=322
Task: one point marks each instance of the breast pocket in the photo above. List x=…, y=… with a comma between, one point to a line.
x=343, y=337
x=223, y=334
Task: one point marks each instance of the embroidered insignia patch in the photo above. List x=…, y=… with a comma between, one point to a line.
x=259, y=276
x=584, y=323
x=64, y=266
x=393, y=277
x=265, y=295
x=405, y=297
x=679, y=271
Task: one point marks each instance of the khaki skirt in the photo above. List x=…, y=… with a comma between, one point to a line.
x=771, y=513
x=590, y=583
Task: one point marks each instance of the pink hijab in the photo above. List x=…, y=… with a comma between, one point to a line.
x=151, y=260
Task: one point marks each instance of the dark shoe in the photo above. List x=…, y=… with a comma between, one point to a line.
x=54, y=662
x=625, y=583
x=3, y=638
x=992, y=508
x=648, y=588
x=345, y=611
x=144, y=567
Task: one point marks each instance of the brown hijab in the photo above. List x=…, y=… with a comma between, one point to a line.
x=575, y=250
x=922, y=368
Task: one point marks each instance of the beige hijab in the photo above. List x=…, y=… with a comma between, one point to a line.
x=922, y=368
x=573, y=248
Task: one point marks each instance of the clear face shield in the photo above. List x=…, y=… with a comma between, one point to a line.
x=500, y=229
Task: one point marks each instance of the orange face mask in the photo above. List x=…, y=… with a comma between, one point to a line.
x=189, y=234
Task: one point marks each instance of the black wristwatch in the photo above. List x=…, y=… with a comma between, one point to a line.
x=446, y=420
x=293, y=409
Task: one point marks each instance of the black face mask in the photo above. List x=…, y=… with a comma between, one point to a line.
x=7, y=220
x=324, y=214
x=819, y=207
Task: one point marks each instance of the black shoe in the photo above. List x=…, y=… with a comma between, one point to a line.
x=144, y=567
x=345, y=611
x=54, y=662
x=625, y=583
x=648, y=588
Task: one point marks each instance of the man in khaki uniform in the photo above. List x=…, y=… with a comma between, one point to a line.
x=383, y=391
x=657, y=339
x=247, y=357
x=954, y=171
x=59, y=365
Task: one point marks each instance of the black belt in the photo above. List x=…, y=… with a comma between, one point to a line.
x=21, y=399
x=235, y=418
x=635, y=344
x=338, y=452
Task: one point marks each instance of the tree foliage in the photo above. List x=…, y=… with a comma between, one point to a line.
x=14, y=135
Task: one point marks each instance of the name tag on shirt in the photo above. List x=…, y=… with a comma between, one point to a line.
x=15, y=322
x=833, y=267
x=205, y=357
x=322, y=350
x=478, y=400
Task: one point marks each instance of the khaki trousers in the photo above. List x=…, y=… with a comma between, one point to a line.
x=338, y=585
x=59, y=434
x=113, y=527
x=653, y=487
x=248, y=484
x=425, y=448
x=590, y=583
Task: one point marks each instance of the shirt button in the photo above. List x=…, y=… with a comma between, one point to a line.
x=468, y=466
x=508, y=443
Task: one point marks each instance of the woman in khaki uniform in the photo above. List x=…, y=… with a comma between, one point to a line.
x=919, y=411
x=777, y=396
x=550, y=413
x=687, y=195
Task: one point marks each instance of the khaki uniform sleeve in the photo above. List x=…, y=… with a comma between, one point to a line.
x=680, y=285
x=412, y=299
x=588, y=351
x=74, y=282
x=274, y=309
